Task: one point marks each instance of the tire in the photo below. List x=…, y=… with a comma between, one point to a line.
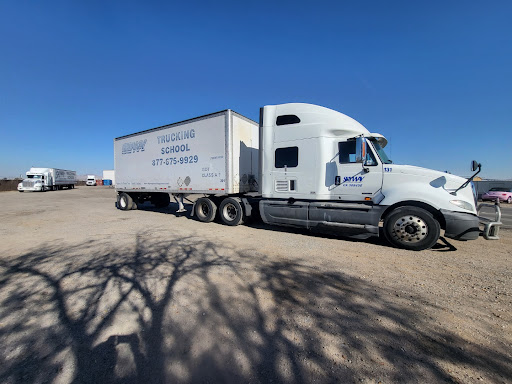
x=124, y=202
x=411, y=228
x=231, y=211
x=161, y=200
x=205, y=209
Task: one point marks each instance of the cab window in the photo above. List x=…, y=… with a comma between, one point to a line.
x=287, y=157
x=348, y=153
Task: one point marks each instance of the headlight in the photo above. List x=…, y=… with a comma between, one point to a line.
x=462, y=204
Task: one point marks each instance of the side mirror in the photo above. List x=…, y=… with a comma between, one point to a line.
x=475, y=165
x=360, y=149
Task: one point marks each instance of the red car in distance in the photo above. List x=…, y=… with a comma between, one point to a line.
x=504, y=194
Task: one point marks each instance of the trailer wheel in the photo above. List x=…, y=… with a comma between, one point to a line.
x=411, y=228
x=124, y=202
x=231, y=211
x=205, y=209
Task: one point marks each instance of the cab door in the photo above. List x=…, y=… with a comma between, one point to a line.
x=359, y=171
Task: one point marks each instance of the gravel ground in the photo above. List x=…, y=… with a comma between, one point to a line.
x=89, y=293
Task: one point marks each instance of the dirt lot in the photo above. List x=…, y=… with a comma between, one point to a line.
x=92, y=294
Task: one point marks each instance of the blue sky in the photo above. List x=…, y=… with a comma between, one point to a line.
x=434, y=77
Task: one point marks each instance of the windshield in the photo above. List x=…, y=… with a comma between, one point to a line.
x=34, y=176
x=499, y=190
x=383, y=157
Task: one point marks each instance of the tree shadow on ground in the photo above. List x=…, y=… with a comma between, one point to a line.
x=192, y=311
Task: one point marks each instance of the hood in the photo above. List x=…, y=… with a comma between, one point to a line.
x=437, y=178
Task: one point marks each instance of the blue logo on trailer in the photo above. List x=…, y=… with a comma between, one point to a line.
x=134, y=146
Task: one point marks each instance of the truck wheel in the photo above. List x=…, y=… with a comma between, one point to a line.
x=205, y=209
x=124, y=202
x=231, y=212
x=411, y=228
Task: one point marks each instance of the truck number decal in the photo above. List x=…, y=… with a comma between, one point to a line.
x=175, y=160
x=387, y=169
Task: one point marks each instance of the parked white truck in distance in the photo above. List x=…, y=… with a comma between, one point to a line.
x=91, y=180
x=312, y=167
x=47, y=179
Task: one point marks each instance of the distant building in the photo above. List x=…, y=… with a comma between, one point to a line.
x=109, y=175
x=483, y=185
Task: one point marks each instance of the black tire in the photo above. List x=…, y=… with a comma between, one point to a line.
x=205, y=209
x=231, y=211
x=160, y=200
x=125, y=202
x=411, y=228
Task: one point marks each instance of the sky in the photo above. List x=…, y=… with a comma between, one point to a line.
x=434, y=77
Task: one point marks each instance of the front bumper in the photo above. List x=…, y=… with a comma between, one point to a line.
x=461, y=226
x=30, y=189
x=491, y=227
x=466, y=226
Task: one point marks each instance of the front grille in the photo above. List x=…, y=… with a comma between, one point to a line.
x=28, y=184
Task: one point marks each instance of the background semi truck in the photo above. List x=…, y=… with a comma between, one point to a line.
x=91, y=180
x=304, y=166
x=47, y=179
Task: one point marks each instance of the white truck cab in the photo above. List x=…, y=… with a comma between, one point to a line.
x=91, y=180
x=37, y=180
x=321, y=168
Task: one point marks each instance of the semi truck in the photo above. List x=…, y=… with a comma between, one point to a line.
x=303, y=166
x=47, y=179
x=91, y=180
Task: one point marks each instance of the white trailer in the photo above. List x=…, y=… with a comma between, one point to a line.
x=215, y=154
x=47, y=179
x=313, y=168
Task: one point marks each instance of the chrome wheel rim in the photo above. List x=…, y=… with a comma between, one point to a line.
x=230, y=211
x=410, y=229
x=205, y=210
